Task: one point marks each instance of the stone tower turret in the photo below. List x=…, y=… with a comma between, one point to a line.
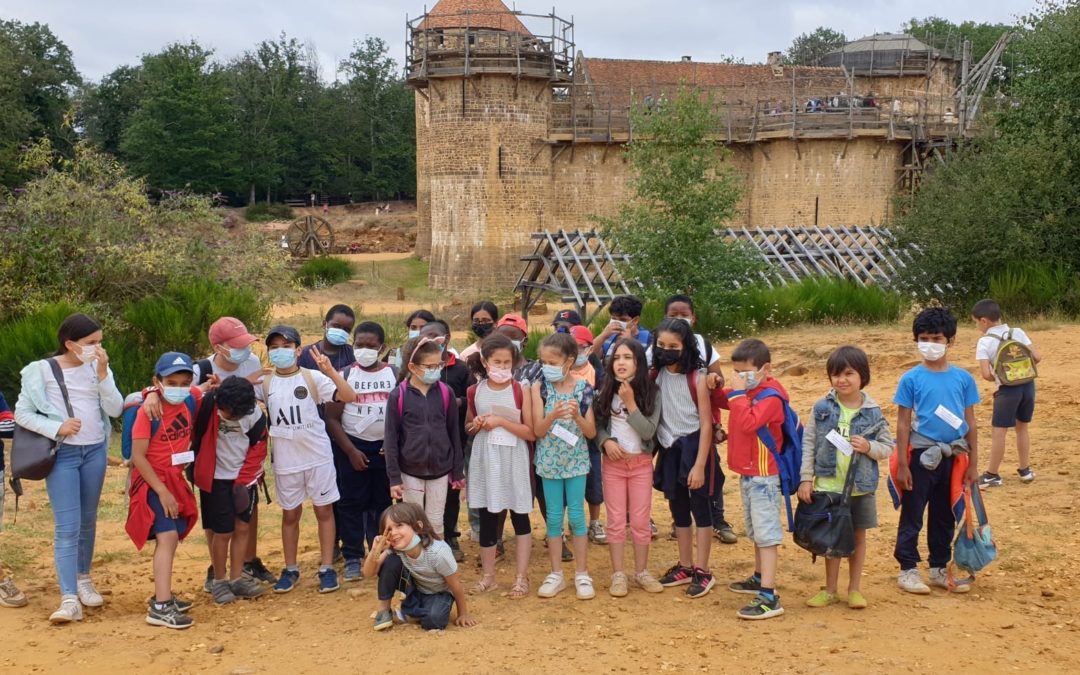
x=483, y=85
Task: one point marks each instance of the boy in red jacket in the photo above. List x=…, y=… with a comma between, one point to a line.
x=230, y=448
x=759, y=477
x=162, y=505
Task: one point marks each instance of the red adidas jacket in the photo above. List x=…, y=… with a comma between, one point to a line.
x=747, y=455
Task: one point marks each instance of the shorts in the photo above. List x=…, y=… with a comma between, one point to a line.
x=863, y=512
x=226, y=502
x=162, y=523
x=761, y=509
x=319, y=484
x=1013, y=404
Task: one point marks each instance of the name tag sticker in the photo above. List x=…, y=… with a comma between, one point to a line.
x=839, y=442
x=568, y=437
x=183, y=457
x=948, y=417
x=281, y=432
x=502, y=437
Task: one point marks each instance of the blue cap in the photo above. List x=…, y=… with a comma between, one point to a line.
x=173, y=362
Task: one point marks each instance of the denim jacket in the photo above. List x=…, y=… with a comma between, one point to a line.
x=34, y=412
x=819, y=455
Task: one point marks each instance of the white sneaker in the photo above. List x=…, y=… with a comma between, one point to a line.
x=911, y=581
x=88, y=595
x=940, y=578
x=552, y=586
x=584, y=586
x=70, y=610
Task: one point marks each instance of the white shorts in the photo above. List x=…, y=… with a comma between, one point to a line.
x=319, y=484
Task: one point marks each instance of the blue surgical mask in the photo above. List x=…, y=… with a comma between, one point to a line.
x=413, y=543
x=753, y=379
x=395, y=359
x=431, y=376
x=283, y=357
x=239, y=356
x=175, y=395
x=414, y=333
x=554, y=373
x=581, y=359
x=337, y=337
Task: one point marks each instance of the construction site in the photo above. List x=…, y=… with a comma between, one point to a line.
x=520, y=131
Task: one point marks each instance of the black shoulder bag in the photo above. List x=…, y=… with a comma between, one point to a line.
x=824, y=526
x=33, y=455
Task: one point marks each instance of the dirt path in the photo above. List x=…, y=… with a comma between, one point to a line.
x=1022, y=615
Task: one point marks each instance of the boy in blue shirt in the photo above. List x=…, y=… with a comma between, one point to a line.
x=941, y=398
x=625, y=311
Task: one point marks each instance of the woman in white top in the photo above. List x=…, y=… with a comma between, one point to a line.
x=74, y=484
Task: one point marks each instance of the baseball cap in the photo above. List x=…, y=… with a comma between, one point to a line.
x=582, y=334
x=567, y=316
x=287, y=332
x=514, y=320
x=173, y=362
x=230, y=332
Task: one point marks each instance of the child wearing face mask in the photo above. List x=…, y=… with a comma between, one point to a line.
x=303, y=459
x=936, y=451
x=232, y=354
x=357, y=430
x=563, y=421
x=423, y=435
x=413, y=324
x=336, y=344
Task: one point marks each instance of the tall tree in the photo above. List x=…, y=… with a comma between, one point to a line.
x=808, y=48
x=106, y=107
x=183, y=135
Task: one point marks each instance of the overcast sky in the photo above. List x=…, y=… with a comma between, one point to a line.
x=104, y=34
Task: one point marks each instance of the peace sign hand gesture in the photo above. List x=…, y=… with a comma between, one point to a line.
x=322, y=361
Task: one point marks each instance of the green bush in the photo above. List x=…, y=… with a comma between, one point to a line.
x=532, y=345
x=324, y=271
x=1036, y=288
x=27, y=339
x=261, y=212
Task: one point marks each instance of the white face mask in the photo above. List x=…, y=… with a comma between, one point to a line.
x=366, y=357
x=86, y=353
x=932, y=351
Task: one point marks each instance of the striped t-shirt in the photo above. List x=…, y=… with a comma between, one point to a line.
x=430, y=569
x=678, y=412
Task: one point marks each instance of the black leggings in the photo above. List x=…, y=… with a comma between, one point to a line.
x=686, y=502
x=490, y=526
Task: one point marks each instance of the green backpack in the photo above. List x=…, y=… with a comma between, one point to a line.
x=1013, y=362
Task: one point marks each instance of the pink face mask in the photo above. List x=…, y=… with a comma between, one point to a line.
x=500, y=375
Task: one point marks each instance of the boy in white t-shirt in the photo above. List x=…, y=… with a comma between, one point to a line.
x=300, y=447
x=1014, y=405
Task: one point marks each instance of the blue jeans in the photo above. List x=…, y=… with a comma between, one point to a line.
x=568, y=493
x=74, y=487
x=761, y=509
x=432, y=609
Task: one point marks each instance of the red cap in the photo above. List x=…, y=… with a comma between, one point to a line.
x=230, y=332
x=514, y=320
x=582, y=334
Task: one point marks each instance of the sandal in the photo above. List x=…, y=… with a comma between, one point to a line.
x=520, y=589
x=483, y=587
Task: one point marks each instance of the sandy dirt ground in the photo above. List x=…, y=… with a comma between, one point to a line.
x=1022, y=615
x=358, y=228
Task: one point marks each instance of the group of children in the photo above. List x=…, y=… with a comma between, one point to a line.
x=353, y=428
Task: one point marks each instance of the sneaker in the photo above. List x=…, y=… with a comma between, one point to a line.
x=255, y=569
x=677, y=575
x=383, y=619
x=940, y=578
x=287, y=581
x=88, y=595
x=619, y=586
x=246, y=588
x=352, y=570
x=10, y=595
x=823, y=599
x=168, y=615
x=724, y=533
x=856, y=600
x=648, y=583
x=222, y=592
x=584, y=586
x=328, y=580
x=1026, y=475
x=208, y=584
x=552, y=586
x=751, y=585
x=911, y=581
x=70, y=610
x=597, y=533
x=181, y=605
x=987, y=480
x=653, y=529
x=701, y=582
x=452, y=542
x=761, y=608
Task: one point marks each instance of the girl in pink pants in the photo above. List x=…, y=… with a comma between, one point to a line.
x=627, y=411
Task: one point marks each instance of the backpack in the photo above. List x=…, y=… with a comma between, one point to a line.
x=443, y=388
x=789, y=456
x=206, y=369
x=470, y=396
x=717, y=397
x=1013, y=362
x=132, y=404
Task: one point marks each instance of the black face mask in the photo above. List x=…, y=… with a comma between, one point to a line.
x=662, y=358
x=482, y=330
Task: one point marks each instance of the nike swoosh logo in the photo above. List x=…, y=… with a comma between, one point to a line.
x=323, y=494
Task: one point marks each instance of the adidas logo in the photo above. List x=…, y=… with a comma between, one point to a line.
x=179, y=424
x=179, y=361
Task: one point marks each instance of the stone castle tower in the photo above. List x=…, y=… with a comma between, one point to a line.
x=483, y=86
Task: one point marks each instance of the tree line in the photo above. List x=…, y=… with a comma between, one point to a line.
x=260, y=126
